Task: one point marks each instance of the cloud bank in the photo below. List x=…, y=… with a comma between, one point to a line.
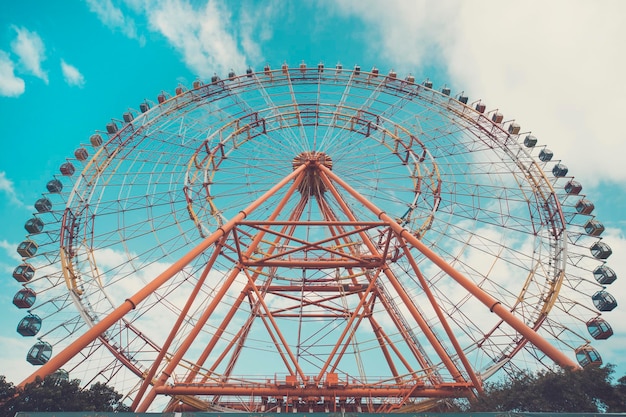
x=552, y=65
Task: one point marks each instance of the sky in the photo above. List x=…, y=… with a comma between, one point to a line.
x=68, y=67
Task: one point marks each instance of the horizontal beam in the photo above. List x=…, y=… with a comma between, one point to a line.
x=460, y=389
x=315, y=264
x=316, y=288
x=309, y=223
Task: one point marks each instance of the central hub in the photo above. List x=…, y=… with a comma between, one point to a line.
x=312, y=184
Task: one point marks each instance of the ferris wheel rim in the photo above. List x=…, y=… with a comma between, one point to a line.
x=544, y=192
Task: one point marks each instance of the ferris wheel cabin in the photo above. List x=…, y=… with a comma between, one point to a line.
x=530, y=141
x=559, y=170
x=545, y=155
x=601, y=250
x=584, y=206
x=24, y=273
x=594, y=228
x=25, y=298
x=573, y=187
x=34, y=226
x=27, y=249
x=604, y=275
x=54, y=186
x=43, y=205
x=29, y=325
x=586, y=355
x=604, y=301
x=40, y=353
x=599, y=328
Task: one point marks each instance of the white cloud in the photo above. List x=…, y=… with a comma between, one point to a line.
x=71, y=75
x=256, y=24
x=202, y=35
x=114, y=18
x=555, y=67
x=212, y=36
x=10, y=84
x=30, y=49
x=10, y=255
x=405, y=32
x=7, y=187
x=560, y=70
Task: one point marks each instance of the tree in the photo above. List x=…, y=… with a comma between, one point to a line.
x=101, y=397
x=7, y=390
x=55, y=394
x=587, y=390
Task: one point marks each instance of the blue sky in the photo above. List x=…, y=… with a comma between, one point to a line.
x=67, y=68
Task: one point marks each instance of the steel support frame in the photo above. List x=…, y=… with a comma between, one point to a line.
x=412, y=389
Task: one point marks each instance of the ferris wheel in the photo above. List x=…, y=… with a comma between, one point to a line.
x=311, y=238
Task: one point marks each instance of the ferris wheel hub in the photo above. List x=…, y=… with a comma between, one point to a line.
x=312, y=184
x=305, y=157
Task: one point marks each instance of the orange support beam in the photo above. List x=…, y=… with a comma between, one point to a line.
x=436, y=344
x=184, y=346
x=494, y=305
x=103, y=325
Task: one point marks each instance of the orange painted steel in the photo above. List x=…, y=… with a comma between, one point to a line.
x=175, y=360
x=432, y=338
x=494, y=305
x=440, y=315
x=413, y=388
x=339, y=390
x=312, y=179
x=207, y=351
x=57, y=361
x=381, y=336
x=405, y=391
x=181, y=317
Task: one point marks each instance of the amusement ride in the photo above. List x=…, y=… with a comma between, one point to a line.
x=311, y=239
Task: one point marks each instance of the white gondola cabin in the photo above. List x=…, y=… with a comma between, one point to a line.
x=530, y=141
x=601, y=250
x=559, y=170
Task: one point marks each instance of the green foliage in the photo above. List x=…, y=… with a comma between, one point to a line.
x=54, y=394
x=587, y=390
x=7, y=389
